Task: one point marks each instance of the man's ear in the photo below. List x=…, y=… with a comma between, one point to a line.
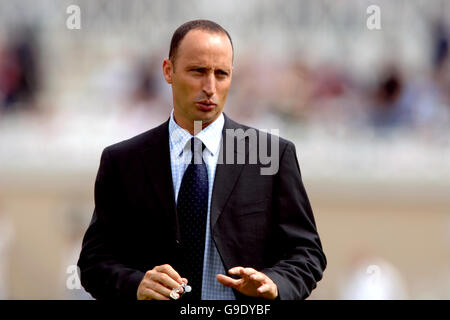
x=168, y=70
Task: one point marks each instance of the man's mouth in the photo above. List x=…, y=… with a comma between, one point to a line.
x=205, y=105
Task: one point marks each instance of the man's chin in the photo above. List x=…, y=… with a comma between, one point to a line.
x=207, y=117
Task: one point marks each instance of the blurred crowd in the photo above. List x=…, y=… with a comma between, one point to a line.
x=300, y=93
x=19, y=73
x=291, y=89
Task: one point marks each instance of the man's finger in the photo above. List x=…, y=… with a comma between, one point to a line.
x=151, y=294
x=167, y=269
x=249, y=271
x=264, y=288
x=161, y=289
x=243, y=272
x=258, y=276
x=236, y=270
x=229, y=282
x=166, y=280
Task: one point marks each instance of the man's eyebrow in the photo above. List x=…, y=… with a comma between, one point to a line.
x=196, y=66
x=223, y=70
x=199, y=66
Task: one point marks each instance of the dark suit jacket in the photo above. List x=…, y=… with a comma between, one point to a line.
x=259, y=221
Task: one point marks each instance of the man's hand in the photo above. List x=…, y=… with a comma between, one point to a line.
x=158, y=283
x=252, y=283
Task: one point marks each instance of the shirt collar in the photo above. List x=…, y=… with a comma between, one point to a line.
x=210, y=136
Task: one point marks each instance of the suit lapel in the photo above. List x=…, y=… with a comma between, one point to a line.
x=226, y=174
x=156, y=161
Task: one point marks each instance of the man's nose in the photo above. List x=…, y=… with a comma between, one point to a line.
x=209, y=85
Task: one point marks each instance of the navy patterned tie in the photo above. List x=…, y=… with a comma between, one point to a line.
x=192, y=207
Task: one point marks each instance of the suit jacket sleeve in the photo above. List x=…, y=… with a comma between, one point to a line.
x=303, y=261
x=103, y=272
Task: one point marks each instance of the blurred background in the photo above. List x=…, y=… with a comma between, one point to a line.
x=368, y=110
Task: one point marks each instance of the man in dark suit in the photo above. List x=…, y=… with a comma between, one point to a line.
x=173, y=204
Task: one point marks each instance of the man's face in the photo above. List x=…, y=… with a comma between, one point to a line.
x=200, y=78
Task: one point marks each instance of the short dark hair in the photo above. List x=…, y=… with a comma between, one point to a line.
x=182, y=30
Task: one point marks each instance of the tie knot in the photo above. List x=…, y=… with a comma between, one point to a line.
x=197, y=148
